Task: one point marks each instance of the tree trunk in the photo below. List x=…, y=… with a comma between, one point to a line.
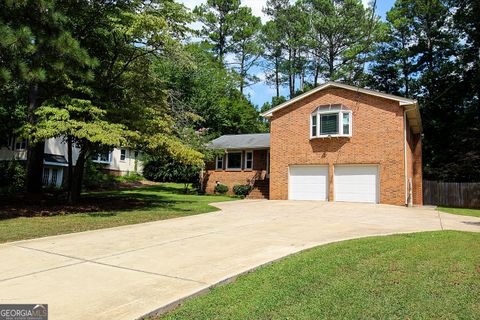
x=77, y=178
x=35, y=150
x=277, y=80
x=242, y=73
x=317, y=74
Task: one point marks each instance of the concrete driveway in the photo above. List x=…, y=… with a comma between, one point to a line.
x=130, y=271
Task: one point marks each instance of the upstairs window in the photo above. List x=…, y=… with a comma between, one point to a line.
x=331, y=123
x=249, y=160
x=328, y=124
x=123, y=154
x=314, y=125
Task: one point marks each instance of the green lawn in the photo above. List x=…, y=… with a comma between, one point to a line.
x=163, y=201
x=431, y=275
x=461, y=211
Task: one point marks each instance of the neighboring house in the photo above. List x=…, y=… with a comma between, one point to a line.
x=119, y=161
x=335, y=142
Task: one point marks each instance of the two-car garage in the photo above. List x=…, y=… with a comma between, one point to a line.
x=354, y=183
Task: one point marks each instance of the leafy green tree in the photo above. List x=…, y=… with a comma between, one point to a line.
x=341, y=36
x=218, y=18
x=204, y=96
x=40, y=59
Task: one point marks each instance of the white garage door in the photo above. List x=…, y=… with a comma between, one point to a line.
x=356, y=183
x=308, y=183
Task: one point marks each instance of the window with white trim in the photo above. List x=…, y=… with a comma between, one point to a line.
x=123, y=154
x=219, y=163
x=249, y=160
x=331, y=123
x=234, y=160
x=102, y=157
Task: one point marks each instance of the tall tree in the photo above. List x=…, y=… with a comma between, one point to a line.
x=291, y=23
x=218, y=18
x=46, y=60
x=272, y=40
x=341, y=34
x=246, y=45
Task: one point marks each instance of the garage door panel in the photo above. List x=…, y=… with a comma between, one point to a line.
x=308, y=182
x=356, y=183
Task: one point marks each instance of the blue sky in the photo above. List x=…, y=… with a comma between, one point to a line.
x=260, y=93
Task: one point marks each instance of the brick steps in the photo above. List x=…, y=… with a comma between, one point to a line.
x=261, y=190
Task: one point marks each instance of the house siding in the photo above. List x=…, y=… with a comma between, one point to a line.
x=377, y=138
x=230, y=178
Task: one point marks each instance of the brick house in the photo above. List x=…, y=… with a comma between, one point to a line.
x=333, y=143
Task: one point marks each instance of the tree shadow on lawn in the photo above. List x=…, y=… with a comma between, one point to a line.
x=101, y=204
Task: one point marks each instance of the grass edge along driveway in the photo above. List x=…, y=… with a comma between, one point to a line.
x=158, y=202
x=461, y=211
x=428, y=275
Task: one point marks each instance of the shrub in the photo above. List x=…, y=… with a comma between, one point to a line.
x=221, y=188
x=167, y=169
x=132, y=177
x=242, y=190
x=96, y=179
x=12, y=176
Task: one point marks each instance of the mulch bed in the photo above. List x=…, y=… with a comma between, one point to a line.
x=23, y=205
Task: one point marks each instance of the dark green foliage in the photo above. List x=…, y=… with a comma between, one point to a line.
x=221, y=189
x=12, y=177
x=202, y=86
x=242, y=190
x=430, y=52
x=96, y=179
x=168, y=169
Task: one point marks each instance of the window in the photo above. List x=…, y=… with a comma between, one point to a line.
x=330, y=123
x=46, y=176
x=102, y=157
x=20, y=144
x=219, y=163
x=123, y=154
x=249, y=160
x=53, y=182
x=346, y=123
x=314, y=125
x=234, y=161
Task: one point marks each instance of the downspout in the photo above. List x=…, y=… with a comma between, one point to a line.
x=405, y=155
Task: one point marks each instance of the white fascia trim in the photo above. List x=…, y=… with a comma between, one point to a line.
x=401, y=100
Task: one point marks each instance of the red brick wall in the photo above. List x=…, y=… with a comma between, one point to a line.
x=231, y=178
x=377, y=138
x=417, y=170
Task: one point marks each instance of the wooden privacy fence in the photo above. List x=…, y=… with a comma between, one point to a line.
x=451, y=194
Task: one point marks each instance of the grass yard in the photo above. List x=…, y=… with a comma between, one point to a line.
x=431, y=275
x=461, y=211
x=115, y=208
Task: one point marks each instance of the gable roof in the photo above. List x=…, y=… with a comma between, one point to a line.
x=241, y=141
x=410, y=105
